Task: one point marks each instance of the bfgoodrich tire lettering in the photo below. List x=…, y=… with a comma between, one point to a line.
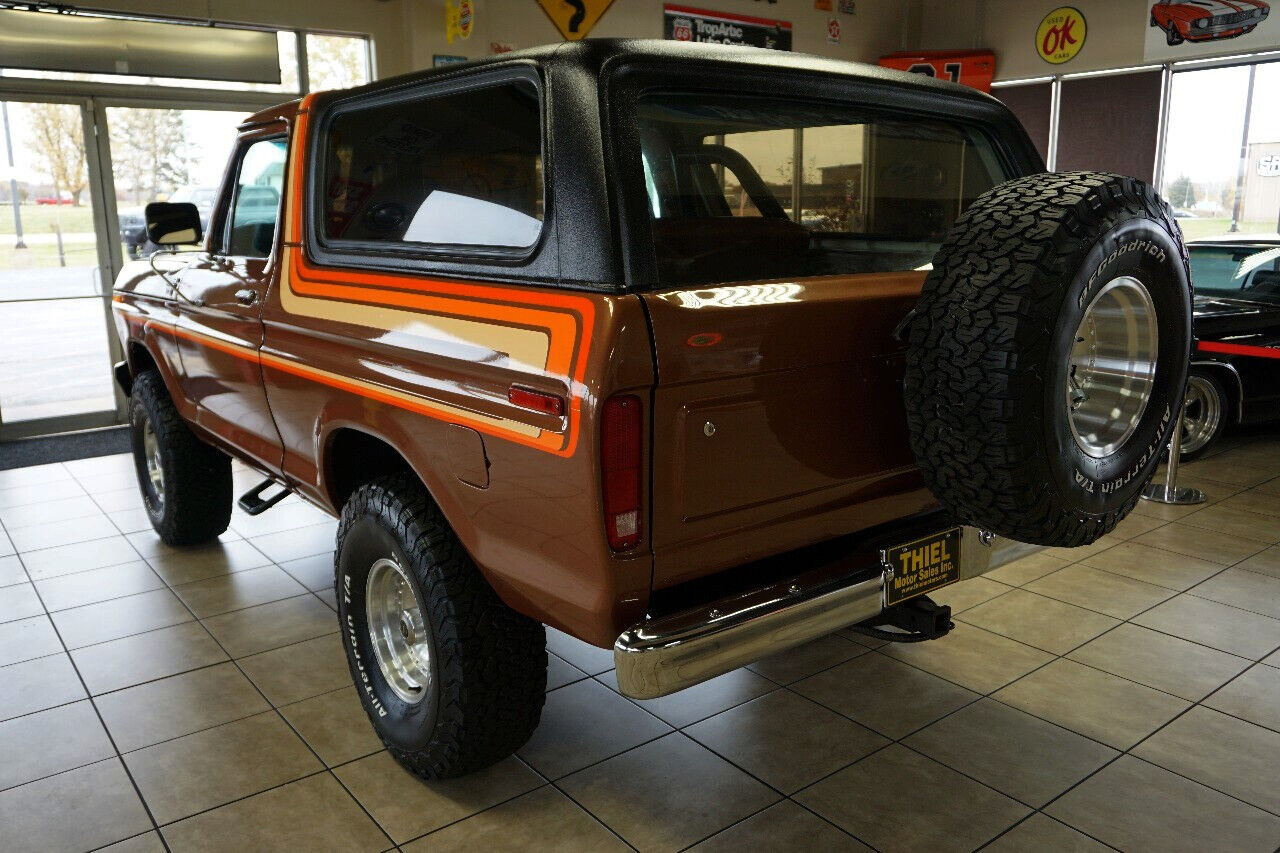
x=488, y=664
x=989, y=366
x=185, y=483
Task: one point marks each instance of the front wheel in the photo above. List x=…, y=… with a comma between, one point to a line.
x=452, y=679
x=185, y=483
x=1172, y=37
x=1206, y=414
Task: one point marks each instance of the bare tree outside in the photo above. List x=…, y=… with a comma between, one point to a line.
x=56, y=138
x=336, y=62
x=152, y=150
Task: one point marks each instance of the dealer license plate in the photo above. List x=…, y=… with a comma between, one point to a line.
x=922, y=566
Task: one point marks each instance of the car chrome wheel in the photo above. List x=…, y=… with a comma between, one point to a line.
x=1111, y=374
x=398, y=631
x=1202, y=416
x=151, y=455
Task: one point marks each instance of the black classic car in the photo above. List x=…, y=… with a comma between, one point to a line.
x=1235, y=371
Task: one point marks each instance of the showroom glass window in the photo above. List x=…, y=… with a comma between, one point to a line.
x=336, y=62
x=1215, y=116
x=458, y=169
x=788, y=190
x=255, y=206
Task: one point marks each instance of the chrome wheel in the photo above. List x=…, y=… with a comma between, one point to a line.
x=1113, y=366
x=151, y=455
x=398, y=631
x=1203, y=414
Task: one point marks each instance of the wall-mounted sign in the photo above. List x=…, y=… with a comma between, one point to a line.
x=976, y=68
x=501, y=47
x=822, y=5
x=574, y=18
x=459, y=20
x=1177, y=30
x=1060, y=35
x=833, y=31
x=685, y=24
x=1269, y=165
x=847, y=7
x=446, y=59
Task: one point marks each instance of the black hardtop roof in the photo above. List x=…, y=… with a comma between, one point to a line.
x=595, y=55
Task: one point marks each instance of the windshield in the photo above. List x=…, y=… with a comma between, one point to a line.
x=1245, y=272
x=751, y=188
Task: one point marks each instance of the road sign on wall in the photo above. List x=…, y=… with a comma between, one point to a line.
x=574, y=18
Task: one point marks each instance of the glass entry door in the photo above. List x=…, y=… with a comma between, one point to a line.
x=166, y=154
x=59, y=257
x=55, y=350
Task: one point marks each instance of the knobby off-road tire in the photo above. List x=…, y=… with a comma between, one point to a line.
x=1001, y=356
x=185, y=483
x=474, y=683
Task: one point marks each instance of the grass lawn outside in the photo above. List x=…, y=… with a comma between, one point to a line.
x=40, y=218
x=1196, y=228
x=44, y=255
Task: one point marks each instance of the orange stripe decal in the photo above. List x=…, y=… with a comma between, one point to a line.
x=567, y=320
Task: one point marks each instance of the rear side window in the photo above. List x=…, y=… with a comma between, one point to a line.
x=458, y=169
x=745, y=188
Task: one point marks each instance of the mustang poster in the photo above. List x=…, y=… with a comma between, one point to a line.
x=1195, y=28
x=684, y=24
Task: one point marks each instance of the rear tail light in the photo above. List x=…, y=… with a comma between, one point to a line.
x=620, y=469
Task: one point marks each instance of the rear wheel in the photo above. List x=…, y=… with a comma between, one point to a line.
x=185, y=483
x=452, y=679
x=1048, y=356
x=1206, y=414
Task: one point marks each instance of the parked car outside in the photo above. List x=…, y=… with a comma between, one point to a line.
x=1235, y=371
x=202, y=197
x=133, y=231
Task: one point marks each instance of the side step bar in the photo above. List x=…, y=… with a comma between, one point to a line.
x=660, y=656
x=253, y=503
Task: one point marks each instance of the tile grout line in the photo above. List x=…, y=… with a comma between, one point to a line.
x=98, y=713
x=784, y=686
x=276, y=710
x=271, y=705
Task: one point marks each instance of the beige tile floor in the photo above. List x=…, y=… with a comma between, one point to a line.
x=1126, y=694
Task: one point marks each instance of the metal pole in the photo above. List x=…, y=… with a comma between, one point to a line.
x=1169, y=492
x=13, y=180
x=1244, y=155
x=62, y=256
x=797, y=172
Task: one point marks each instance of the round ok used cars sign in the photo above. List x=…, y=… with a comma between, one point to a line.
x=1060, y=35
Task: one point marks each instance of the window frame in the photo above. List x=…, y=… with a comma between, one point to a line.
x=630, y=82
x=400, y=255
x=226, y=212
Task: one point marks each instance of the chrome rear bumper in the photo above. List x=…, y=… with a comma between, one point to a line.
x=660, y=656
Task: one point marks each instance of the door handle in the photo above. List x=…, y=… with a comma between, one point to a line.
x=246, y=296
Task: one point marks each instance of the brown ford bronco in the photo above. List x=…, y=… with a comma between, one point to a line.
x=694, y=352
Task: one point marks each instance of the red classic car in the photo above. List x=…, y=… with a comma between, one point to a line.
x=1203, y=20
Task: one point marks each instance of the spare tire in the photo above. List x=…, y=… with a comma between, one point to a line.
x=1048, y=355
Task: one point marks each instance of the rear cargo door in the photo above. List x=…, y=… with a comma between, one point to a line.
x=790, y=241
